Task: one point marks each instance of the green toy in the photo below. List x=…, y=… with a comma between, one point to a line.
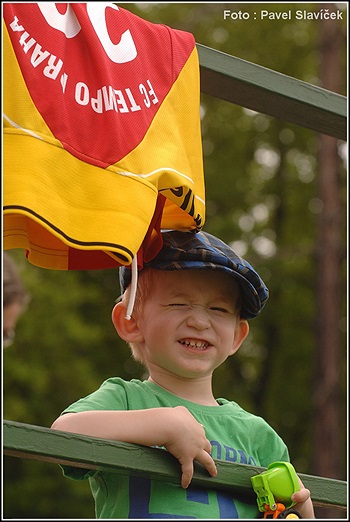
x=275, y=485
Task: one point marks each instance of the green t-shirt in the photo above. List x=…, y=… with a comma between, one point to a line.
x=235, y=436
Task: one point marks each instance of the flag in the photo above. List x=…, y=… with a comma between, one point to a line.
x=102, y=143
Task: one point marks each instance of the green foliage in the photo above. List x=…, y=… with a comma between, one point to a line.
x=262, y=196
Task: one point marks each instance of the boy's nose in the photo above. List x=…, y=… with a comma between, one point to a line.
x=198, y=318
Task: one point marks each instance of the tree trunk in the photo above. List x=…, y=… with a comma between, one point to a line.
x=329, y=416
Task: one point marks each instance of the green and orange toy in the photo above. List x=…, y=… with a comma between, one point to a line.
x=274, y=487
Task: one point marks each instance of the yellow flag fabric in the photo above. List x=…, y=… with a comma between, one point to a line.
x=102, y=143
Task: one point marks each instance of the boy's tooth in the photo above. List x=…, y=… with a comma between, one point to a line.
x=194, y=344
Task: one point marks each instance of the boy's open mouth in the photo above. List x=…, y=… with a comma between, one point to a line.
x=194, y=343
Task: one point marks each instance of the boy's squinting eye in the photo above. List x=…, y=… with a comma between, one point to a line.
x=219, y=309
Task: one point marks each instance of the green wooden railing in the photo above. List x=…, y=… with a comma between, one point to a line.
x=268, y=92
x=35, y=442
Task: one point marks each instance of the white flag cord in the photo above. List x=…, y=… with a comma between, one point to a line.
x=133, y=288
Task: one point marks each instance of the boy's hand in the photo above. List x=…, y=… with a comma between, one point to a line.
x=187, y=442
x=303, y=499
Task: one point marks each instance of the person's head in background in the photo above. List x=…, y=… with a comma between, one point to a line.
x=15, y=299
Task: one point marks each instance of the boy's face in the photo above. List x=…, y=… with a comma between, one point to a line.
x=188, y=323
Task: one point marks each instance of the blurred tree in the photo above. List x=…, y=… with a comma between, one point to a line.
x=262, y=194
x=329, y=377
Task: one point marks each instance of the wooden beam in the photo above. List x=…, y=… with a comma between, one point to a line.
x=272, y=93
x=36, y=442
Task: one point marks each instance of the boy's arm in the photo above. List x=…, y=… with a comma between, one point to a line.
x=174, y=428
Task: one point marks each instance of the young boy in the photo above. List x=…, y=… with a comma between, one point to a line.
x=190, y=313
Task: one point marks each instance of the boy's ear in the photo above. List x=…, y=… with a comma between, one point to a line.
x=241, y=332
x=127, y=329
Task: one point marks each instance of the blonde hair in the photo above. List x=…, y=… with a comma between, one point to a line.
x=146, y=278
